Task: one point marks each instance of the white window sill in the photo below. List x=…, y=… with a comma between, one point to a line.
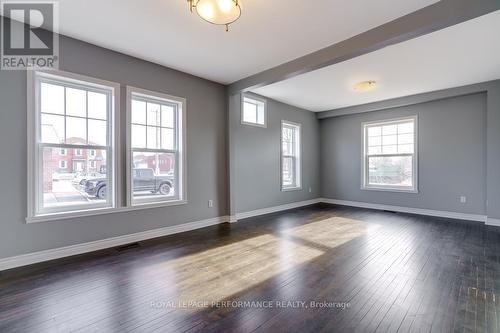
x=389, y=189
x=100, y=211
x=290, y=189
x=254, y=124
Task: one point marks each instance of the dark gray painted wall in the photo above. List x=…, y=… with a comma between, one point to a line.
x=452, y=155
x=206, y=152
x=255, y=160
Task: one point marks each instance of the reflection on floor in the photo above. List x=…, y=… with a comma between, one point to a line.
x=321, y=268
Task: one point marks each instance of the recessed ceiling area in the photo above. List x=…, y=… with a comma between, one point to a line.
x=463, y=54
x=268, y=33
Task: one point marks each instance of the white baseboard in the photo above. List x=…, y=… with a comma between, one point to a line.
x=419, y=211
x=41, y=256
x=495, y=222
x=269, y=210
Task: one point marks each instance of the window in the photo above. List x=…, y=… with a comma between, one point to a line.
x=390, y=155
x=93, y=164
x=290, y=156
x=92, y=153
x=69, y=113
x=156, y=148
x=253, y=111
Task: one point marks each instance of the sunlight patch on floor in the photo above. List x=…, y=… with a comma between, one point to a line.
x=218, y=273
x=330, y=232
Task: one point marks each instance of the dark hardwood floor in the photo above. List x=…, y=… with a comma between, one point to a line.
x=366, y=271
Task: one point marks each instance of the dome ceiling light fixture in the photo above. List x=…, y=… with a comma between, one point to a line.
x=365, y=86
x=219, y=12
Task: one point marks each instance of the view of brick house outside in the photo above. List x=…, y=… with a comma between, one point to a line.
x=71, y=161
x=160, y=163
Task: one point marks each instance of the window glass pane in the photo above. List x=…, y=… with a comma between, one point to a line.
x=261, y=114
x=138, y=112
x=52, y=129
x=138, y=136
x=97, y=132
x=375, y=131
x=97, y=105
x=52, y=98
x=76, y=102
x=376, y=150
x=390, y=149
x=288, y=171
x=167, y=139
x=69, y=180
x=167, y=116
x=287, y=148
x=76, y=130
x=389, y=140
x=389, y=129
x=250, y=113
x=287, y=134
x=405, y=128
x=153, y=139
x=153, y=114
x=405, y=149
x=405, y=138
x=393, y=171
x=374, y=141
x=153, y=175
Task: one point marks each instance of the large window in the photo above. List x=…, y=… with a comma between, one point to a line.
x=290, y=156
x=156, y=166
x=253, y=111
x=390, y=155
x=69, y=117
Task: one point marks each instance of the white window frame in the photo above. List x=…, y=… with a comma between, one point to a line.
x=63, y=164
x=181, y=181
x=297, y=157
x=35, y=210
x=258, y=100
x=78, y=152
x=364, y=156
x=63, y=152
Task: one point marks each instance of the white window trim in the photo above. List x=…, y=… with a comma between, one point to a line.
x=33, y=215
x=364, y=157
x=61, y=152
x=259, y=99
x=298, y=185
x=182, y=182
x=63, y=162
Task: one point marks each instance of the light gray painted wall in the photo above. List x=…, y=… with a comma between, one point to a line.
x=206, y=152
x=452, y=155
x=493, y=150
x=255, y=160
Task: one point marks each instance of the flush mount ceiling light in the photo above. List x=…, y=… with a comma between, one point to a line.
x=220, y=12
x=365, y=86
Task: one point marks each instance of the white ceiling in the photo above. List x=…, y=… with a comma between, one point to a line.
x=268, y=34
x=459, y=55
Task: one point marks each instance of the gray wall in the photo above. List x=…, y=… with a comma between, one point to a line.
x=452, y=155
x=206, y=152
x=255, y=158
